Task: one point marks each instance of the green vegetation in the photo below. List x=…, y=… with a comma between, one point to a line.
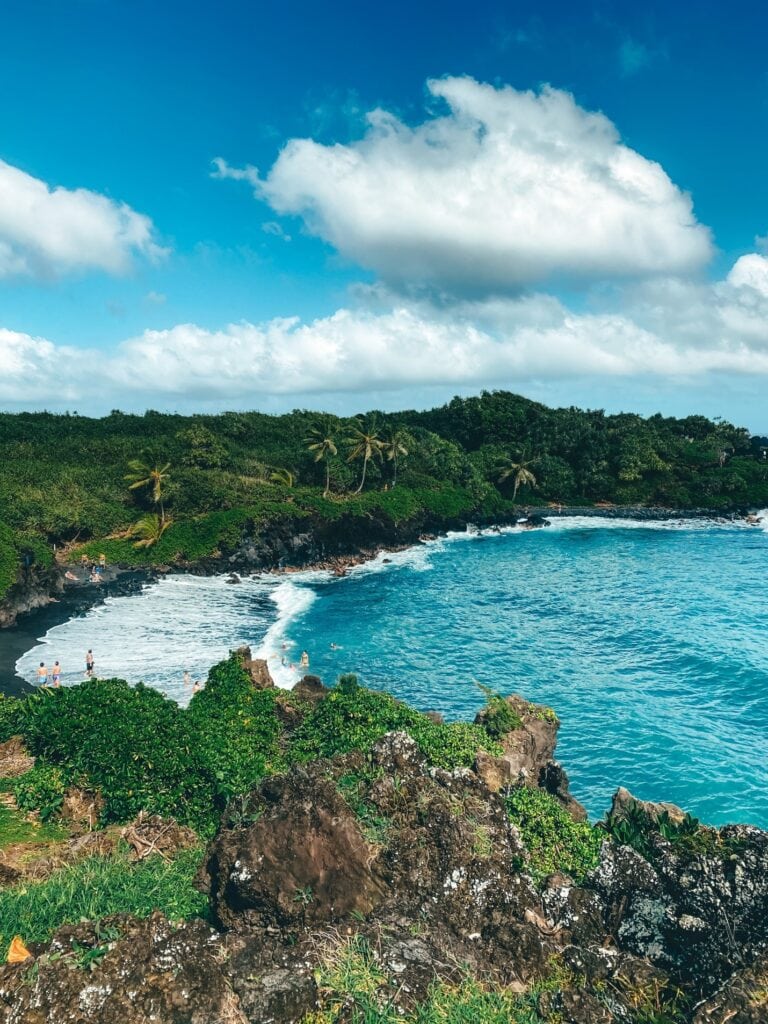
x=354, y=987
x=236, y=729
x=553, y=839
x=155, y=489
x=637, y=828
x=352, y=718
x=16, y=827
x=11, y=709
x=189, y=763
x=40, y=789
x=96, y=887
x=132, y=743
x=499, y=717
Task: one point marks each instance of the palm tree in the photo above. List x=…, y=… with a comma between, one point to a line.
x=392, y=448
x=518, y=470
x=324, y=448
x=282, y=476
x=153, y=478
x=149, y=529
x=364, y=443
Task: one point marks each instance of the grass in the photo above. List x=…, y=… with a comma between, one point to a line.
x=351, y=978
x=96, y=887
x=15, y=827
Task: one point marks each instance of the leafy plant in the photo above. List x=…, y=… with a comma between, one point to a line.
x=555, y=842
x=352, y=718
x=41, y=789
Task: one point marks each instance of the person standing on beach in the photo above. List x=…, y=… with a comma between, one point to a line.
x=56, y=674
x=89, y=663
x=42, y=674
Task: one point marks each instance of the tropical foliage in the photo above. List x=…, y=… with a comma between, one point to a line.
x=70, y=479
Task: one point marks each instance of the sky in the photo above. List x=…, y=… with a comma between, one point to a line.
x=352, y=206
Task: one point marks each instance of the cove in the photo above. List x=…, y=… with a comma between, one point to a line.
x=649, y=640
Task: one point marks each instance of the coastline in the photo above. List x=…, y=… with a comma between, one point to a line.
x=281, y=555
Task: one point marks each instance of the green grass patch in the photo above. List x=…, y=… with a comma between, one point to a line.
x=96, y=887
x=15, y=827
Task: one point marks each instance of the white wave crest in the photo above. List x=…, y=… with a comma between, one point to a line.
x=292, y=601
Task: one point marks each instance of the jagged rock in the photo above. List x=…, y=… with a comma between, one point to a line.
x=311, y=689
x=495, y=772
x=257, y=668
x=144, y=972
x=742, y=1000
x=623, y=802
x=528, y=754
x=692, y=908
x=303, y=862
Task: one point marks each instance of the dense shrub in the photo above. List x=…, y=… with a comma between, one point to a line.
x=131, y=742
x=352, y=718
x=235, y=729
x=553, y=839
x=41, y=789
x=11, y=709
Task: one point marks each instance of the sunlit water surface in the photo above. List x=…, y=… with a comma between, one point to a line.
x=650, y=641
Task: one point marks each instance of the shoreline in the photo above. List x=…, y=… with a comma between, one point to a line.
x=79, y=597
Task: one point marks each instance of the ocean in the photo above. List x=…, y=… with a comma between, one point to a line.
x=650, y=640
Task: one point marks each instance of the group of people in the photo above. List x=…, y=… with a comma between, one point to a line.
x=54, y=674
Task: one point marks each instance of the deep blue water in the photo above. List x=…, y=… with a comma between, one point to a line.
x=650, y=643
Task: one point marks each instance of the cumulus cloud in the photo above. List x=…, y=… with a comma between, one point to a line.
x=750, y=271
x=667, y=329
x=48, y=232
x=506, y=189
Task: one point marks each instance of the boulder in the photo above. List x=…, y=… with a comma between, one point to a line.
x=303, y=862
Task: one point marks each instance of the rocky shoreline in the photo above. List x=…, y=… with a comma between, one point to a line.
x=48, y=598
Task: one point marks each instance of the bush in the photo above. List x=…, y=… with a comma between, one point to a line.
x=499, y=718
x=132, y=743
x=352, y=718
x=235, y=729
x=41, y=789
x=98, y=886
x=553, y=839
x=10, y=717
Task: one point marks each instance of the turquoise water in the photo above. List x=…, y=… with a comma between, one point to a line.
x=651, y=644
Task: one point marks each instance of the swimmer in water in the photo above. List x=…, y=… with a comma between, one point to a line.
x=56, y=674
x=304, y=660
x=42, y=674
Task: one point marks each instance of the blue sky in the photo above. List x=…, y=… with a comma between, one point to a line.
x=441, y=264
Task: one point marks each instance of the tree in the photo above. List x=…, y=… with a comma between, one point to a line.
x=149, y=529
x=324, y=448
x=151, y=478
x=364, y=443
x=518, y=470
x=392, y=447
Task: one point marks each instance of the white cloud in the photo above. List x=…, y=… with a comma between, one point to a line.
x=750, y=271
x=668, y=330
x=47, y=232
x=507, y=189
